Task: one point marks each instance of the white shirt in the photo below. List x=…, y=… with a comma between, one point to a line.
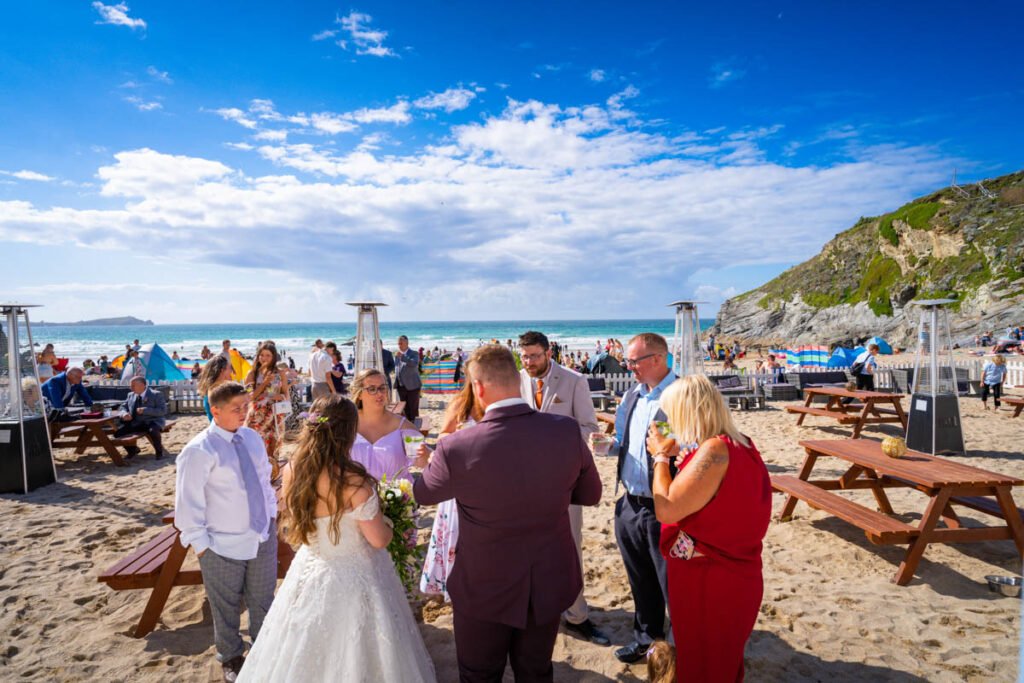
x=319, y=365
x=210, y=505
x=504, y=403
x=226, y=354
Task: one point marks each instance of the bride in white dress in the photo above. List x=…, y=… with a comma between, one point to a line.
x=341, y=614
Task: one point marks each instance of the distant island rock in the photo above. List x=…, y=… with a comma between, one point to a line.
x=100, y=322
x=961, y=243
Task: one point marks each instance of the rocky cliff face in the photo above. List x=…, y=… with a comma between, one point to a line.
x=963, y=243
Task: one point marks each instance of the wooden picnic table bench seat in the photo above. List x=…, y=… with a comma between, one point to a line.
x=822, y=412
x=989, y=506
x=877, y=526
x=1016, y=401
x=156, y=565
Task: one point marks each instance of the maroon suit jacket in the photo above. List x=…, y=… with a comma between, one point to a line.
x=513, y=477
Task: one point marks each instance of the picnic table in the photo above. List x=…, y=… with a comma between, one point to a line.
x=609, y=421
x=1017, y=402
x=157, y=566
x=865, y=409
x=946, y=484
x=85, y=432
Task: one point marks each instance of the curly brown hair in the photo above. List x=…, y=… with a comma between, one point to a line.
x=325, y=445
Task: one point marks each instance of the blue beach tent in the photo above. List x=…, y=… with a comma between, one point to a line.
x=883, y=346
x=159, y=366
x=843, y=357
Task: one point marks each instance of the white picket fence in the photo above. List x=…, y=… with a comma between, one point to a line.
x=184, y=394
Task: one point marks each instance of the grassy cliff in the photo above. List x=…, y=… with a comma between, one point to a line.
x=943, y=245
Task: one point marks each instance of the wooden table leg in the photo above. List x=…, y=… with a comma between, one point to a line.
x=84, y=440
x=1009, y=508
x=899, y=412
x=916, y=550
x=805, y=473
x=1016, y=412
x=162, y=589
x=859, y=424
x=950, y=517
x=103, y=440
x=807, y=404
x=879, y=491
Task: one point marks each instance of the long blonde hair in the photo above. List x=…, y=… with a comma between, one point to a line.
x=661, y=663
x=359, y=383
x=325, y=445
x=697, y=412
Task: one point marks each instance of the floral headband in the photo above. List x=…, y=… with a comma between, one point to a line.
x=313, y=418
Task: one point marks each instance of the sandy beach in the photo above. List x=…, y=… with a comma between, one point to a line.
x=830, y=612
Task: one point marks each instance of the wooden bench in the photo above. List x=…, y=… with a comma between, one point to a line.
x=989, y=506
x=821, y=412
x=132, y=439
x=1015, y=401
x=878, y=527
x=156, y=565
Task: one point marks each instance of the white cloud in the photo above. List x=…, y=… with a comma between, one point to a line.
x=117, y=15
x=723, y=73
x=367, y=40
x=452, y=99
x=575, y=197
x=28, y=175
x=597, y=75
x=272, y=135
x=158, y=75
x=332, y=124
x=143, y=105
x=237, y=115
x=396, y=113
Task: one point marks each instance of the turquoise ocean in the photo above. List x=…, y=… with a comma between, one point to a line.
x=80, y=342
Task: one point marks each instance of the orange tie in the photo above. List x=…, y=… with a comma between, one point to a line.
x=539, y=396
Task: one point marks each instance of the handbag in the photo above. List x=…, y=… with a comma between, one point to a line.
x=857, y=368
x=283, y=408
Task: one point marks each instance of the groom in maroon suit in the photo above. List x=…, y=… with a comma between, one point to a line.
x=513, y=476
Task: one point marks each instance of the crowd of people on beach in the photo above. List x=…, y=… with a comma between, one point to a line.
x=512, y=467
x=513, y=459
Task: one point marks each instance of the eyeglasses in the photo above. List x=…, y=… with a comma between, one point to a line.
x=531, y=356
x=633, y=362
x=376, y=390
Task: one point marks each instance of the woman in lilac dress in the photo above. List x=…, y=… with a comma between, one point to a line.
x=378, y=446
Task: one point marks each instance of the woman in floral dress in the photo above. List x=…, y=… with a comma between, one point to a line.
x=462, y=412
x=267, y=385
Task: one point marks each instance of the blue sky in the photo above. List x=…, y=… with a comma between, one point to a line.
x=205, y=162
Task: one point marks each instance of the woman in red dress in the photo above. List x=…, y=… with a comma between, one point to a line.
x=714, y=515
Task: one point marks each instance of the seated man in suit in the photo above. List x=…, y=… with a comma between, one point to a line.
x=143, y=413
x=60, y=390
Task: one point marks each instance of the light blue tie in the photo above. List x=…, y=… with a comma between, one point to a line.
x=253, y=490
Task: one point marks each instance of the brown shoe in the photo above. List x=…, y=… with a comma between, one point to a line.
x=231, y=668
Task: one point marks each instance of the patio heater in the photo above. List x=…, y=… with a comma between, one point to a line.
x=26, y=461
x=688, y=357
x=368, y=344
x=933, y=424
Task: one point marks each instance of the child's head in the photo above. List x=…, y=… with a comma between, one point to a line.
x=661, y=663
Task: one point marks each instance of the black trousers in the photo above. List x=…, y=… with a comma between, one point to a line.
x=412, y=402
x=143, y=428
x=865, y=382
x=996, y=389
x=638, y=533
x=483, y=648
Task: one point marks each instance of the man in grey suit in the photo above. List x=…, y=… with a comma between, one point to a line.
x=144, y=412
x=550, y=388
x=407, y=378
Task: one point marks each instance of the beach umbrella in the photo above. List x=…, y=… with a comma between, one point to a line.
x=843, y=357
x=883, y=346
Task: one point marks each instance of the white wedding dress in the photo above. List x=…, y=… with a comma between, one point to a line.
x=341, y=615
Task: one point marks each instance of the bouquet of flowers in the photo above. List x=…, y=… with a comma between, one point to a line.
x=397, y=504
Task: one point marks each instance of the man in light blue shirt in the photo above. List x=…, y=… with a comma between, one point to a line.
x=637, y=529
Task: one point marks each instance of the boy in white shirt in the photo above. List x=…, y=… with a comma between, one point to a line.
x=226, y=510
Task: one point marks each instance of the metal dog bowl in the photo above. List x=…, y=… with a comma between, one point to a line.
x=1007, y=585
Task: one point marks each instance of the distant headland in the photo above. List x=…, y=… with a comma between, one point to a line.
x=99, y=322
